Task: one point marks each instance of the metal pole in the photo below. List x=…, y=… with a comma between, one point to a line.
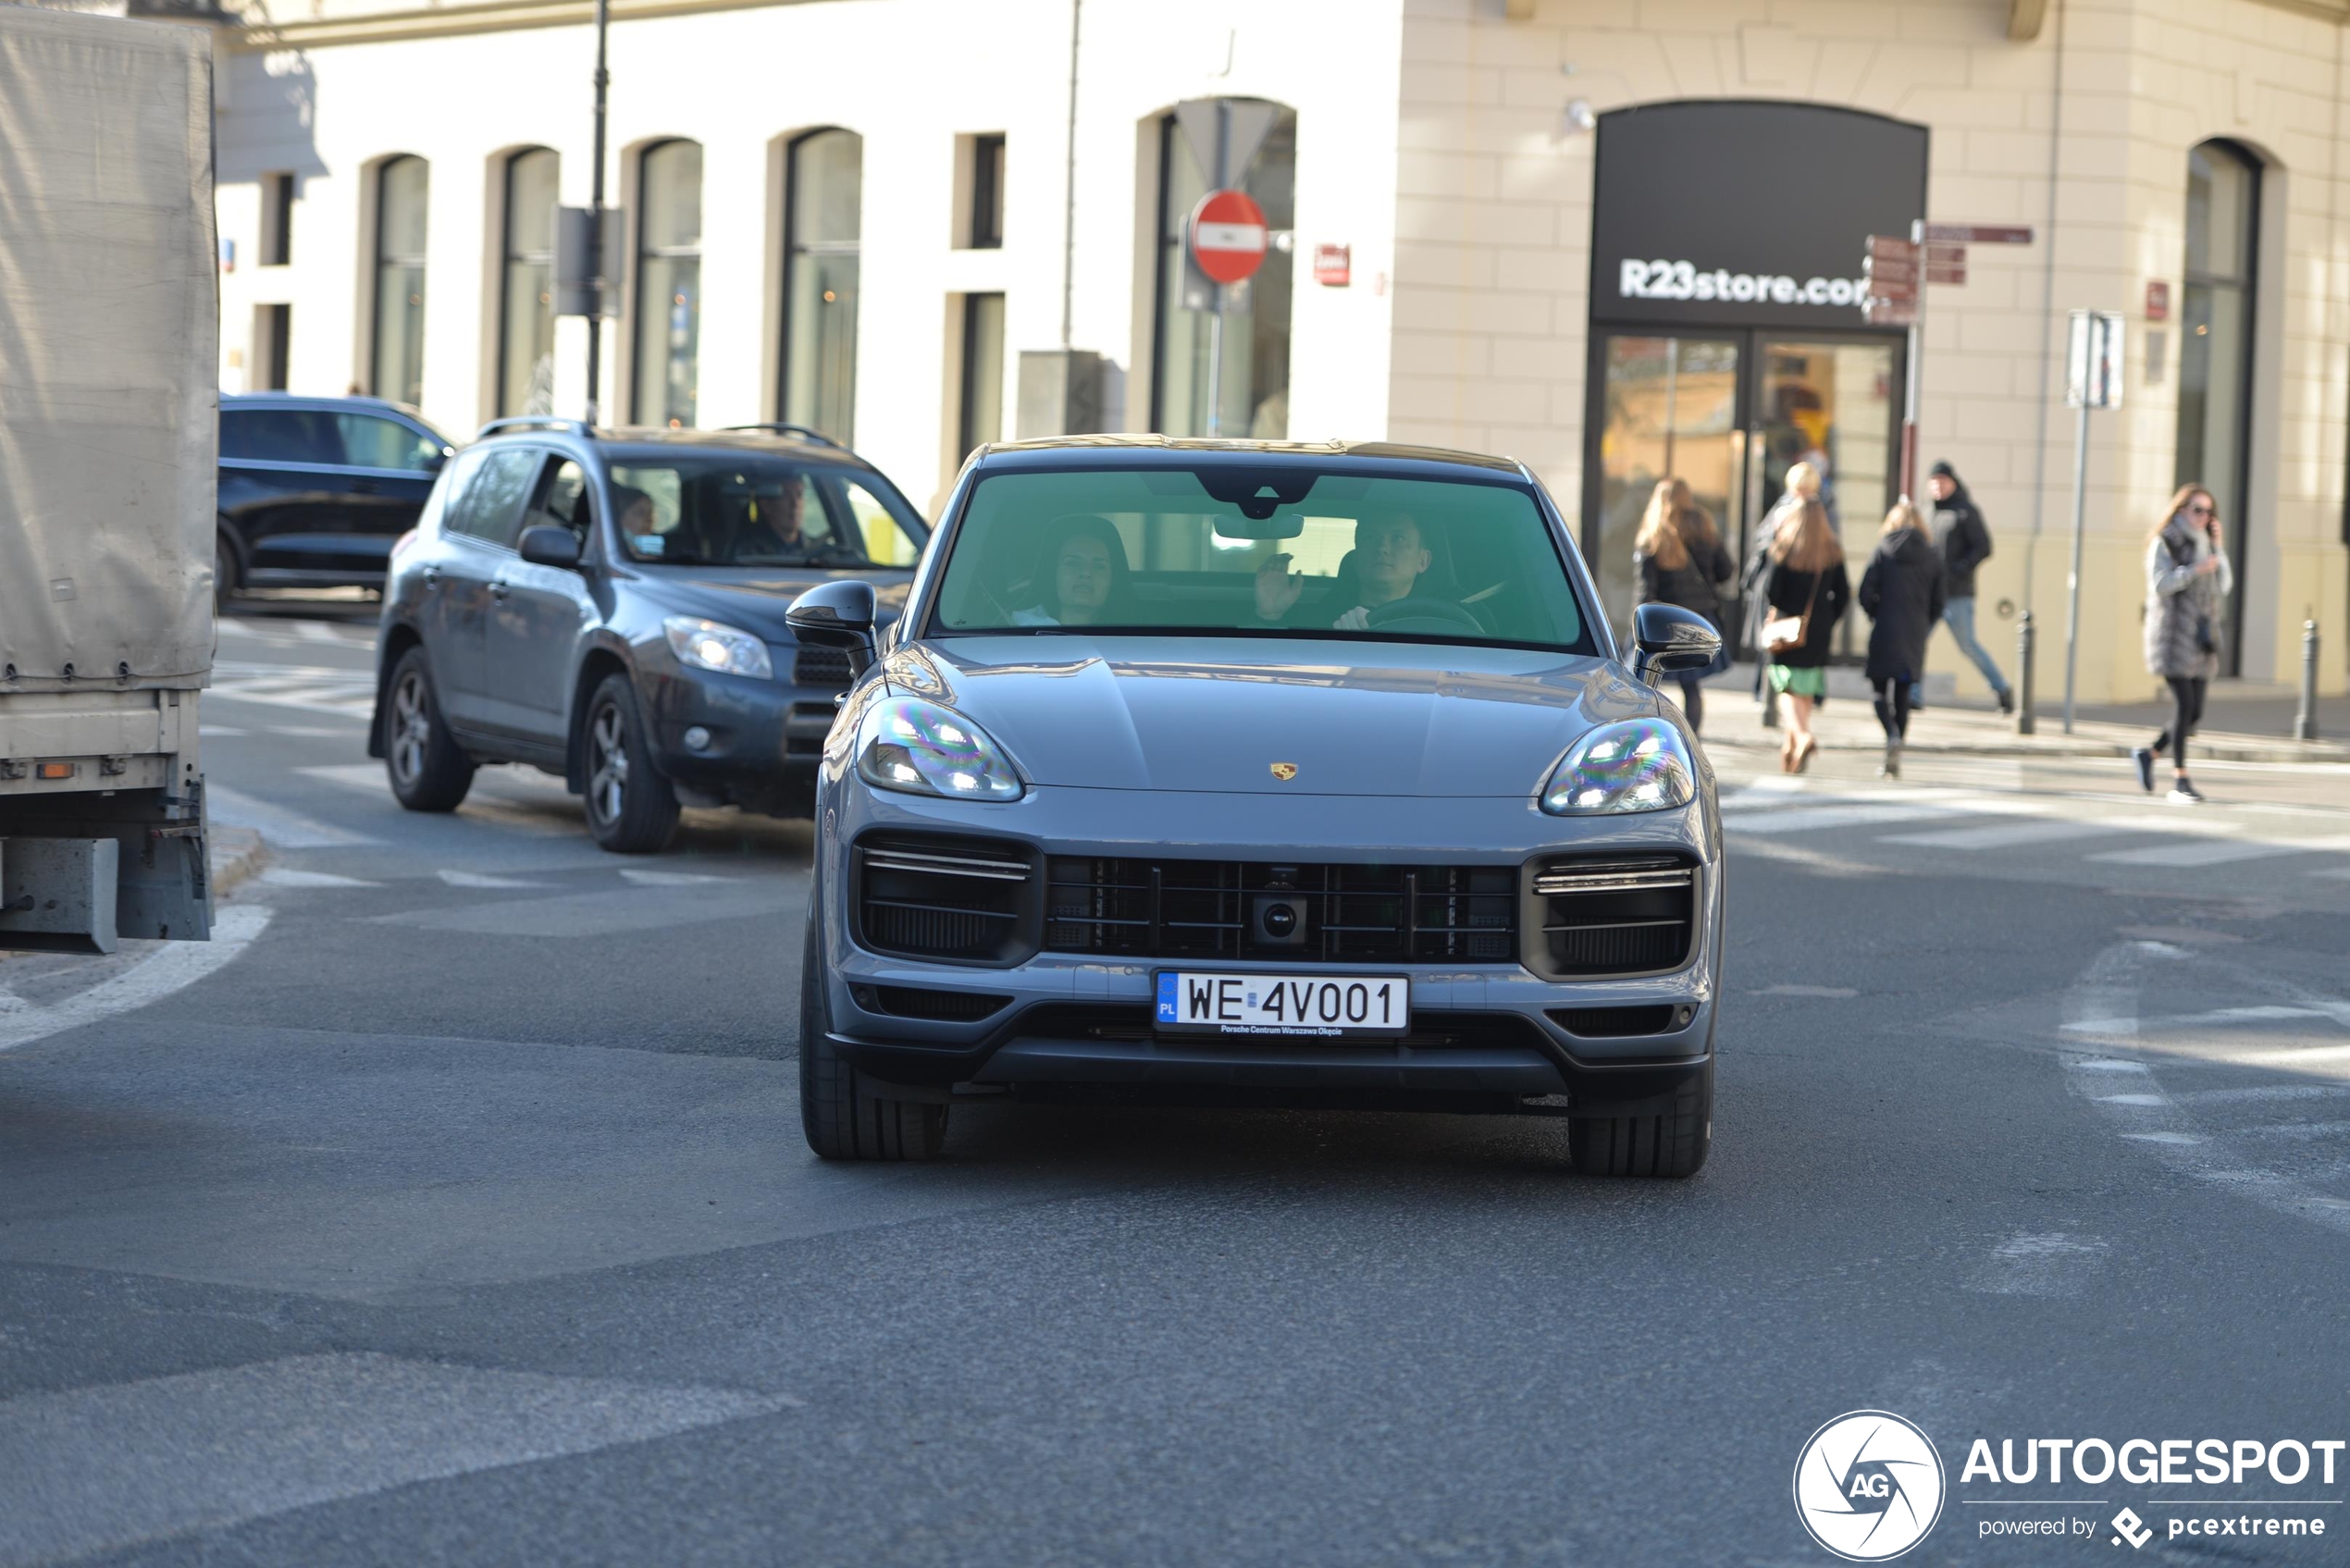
x=2305, y=724
x=2073, y=582
x=2024, y=638
x=1910, y=408
x=596, y=226
x=1215, y=366
x=1069, y=185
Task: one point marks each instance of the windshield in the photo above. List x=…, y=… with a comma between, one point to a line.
x=738, y=509
x=1224, y=549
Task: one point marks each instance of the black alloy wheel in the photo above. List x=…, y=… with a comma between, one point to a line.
x=429, y=771
x=839, y=1112
x=632, y=809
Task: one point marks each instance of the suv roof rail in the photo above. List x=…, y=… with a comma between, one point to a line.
x=799, y=430
x=535, y=422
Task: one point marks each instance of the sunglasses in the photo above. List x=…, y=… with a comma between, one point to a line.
x=2199, y=510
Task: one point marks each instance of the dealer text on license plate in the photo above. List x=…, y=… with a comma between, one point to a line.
x=1266, y=1004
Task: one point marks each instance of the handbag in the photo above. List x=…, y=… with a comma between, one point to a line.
x=1782, y=633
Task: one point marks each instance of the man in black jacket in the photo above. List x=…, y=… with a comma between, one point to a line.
x=1965, y=544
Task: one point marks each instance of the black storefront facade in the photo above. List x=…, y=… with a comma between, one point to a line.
x=1726, y=341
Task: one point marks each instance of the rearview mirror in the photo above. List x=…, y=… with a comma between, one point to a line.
x=837, y=615
x=1287, y=526
x=546, y=545
x=1669, y=640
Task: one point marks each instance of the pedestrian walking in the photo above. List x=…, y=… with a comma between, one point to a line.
x=2188, y=581
x=1802, y=485
x=1903, y=592
x=1807, y=591
x=1965, y=543
x=1680, y=560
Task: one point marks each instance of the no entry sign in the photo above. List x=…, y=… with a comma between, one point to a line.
x=1228, y=236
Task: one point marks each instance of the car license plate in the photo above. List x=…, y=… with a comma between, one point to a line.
x=1355, y=1006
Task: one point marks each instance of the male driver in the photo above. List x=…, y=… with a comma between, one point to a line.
x=1390, y=555
x=1965, y=544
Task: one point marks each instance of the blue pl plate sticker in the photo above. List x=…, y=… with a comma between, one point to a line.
x=1167, y=998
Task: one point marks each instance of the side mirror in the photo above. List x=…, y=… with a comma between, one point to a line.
x=1667, y=640
x=546, y=545
x=837, y=615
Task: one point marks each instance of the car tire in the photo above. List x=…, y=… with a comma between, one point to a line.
x=1673, y=1143
x=429, y=772
x=839, y=1113
x=631, y=808
x=224, y=573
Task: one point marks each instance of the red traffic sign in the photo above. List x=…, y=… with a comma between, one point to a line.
x=1228, y=236
x=1976, y=233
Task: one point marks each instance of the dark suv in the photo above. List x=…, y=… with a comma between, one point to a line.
x=313, y=490
x=608, y=605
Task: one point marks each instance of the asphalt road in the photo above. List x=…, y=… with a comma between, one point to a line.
x=453, y=1208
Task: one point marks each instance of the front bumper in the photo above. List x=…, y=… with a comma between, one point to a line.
x=765, y=739
x=1490, y=1038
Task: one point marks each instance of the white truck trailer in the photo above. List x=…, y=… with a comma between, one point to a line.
x=109, y=422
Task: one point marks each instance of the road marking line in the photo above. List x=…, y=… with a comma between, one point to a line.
x=2133, y=1100
x=2205, y=853
x=284, y=828
x=482, y=879
x=286, y=876
x=218, y=730
x=1813, y=818
x=672, y=879
x=2004, y=835
x=101, y=1468
x=172, y=965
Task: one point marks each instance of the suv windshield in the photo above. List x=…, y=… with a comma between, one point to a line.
x=740, y=509
x=1272, y=550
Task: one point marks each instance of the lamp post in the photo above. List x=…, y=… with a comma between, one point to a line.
x=596, y=223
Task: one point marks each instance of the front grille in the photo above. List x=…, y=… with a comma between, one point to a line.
x=921, y=1001
x=826, y=669
x=1629, y=916
x=929, y=898
x=1345, y=914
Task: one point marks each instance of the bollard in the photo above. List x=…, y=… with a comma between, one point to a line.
x=2024, y=675
x=2305, y=724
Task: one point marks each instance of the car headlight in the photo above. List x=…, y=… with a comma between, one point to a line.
x=707, y=644
x=1638, y=765
x=906, y=743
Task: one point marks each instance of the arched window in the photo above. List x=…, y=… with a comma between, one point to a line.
x=527, y=310
x=402, y=186
x=1253, y=366
x=824, y=203
x=2215, y=351
x=669, y=282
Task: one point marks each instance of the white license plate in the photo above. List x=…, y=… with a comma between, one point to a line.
x=1356, y=1005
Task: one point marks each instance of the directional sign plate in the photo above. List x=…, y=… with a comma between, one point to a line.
x=1977, y=233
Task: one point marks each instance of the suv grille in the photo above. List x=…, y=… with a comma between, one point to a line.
x=826, y=669
x=1241, y=909
x=941, y=897
x=1617, y=916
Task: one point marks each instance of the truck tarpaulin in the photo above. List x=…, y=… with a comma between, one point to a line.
x=108, y=354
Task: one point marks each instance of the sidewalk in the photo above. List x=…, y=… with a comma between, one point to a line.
x=1848, y=721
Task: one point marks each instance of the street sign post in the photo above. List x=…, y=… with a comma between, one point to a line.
x=1223, y=135
x=1227, y=237
x=2092, y=380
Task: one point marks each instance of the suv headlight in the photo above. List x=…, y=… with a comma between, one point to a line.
x=1638, y=765
x=906, y=743
x=708, y=645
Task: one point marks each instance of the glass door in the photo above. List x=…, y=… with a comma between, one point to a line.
x=1835, y=404
x=1668, y=408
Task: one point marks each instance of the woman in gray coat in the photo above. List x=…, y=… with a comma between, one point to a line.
x=2188, y=580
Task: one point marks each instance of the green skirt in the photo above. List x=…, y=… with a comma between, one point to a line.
x=1810, y=681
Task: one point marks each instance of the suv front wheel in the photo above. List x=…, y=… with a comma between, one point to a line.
x=429, y=771
x=631, y=808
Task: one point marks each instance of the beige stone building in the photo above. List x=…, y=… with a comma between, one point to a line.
x=1618, y=238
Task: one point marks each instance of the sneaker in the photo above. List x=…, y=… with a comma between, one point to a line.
x=2144, y=759
x=2007, y=700
x=2184, y=792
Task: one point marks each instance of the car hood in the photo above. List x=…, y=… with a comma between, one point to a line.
x=1219, y=715
x=755, y=597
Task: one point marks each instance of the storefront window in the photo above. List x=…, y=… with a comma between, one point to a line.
x=402, y=188
x=669, y=287
x=825, y=202
x=526, y=338
x=1252, y=399
x=2215, y=350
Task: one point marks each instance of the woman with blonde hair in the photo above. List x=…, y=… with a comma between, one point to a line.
x=1802, y=485
x=2188, y=581
x=1806, y=590
x=1903, y=592
x=1680, y=559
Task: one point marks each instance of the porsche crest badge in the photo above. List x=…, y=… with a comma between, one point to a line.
x=1285, y=771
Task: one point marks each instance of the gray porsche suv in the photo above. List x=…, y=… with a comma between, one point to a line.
x=608, y=605
x=1271, y=773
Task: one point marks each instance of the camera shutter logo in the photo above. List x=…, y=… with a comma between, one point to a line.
x=1869, y=1485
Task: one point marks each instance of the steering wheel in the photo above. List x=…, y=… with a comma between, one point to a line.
x=1422, y=613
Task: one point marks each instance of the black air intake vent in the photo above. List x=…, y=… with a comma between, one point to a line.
x=921, y=1001
x=1613, y=917
x=826, y=669
x=926, y=898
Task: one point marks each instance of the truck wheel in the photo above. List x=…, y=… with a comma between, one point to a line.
x=1674, y=1144
x=841, y=1118
x=631, y=808
x=429, y=771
